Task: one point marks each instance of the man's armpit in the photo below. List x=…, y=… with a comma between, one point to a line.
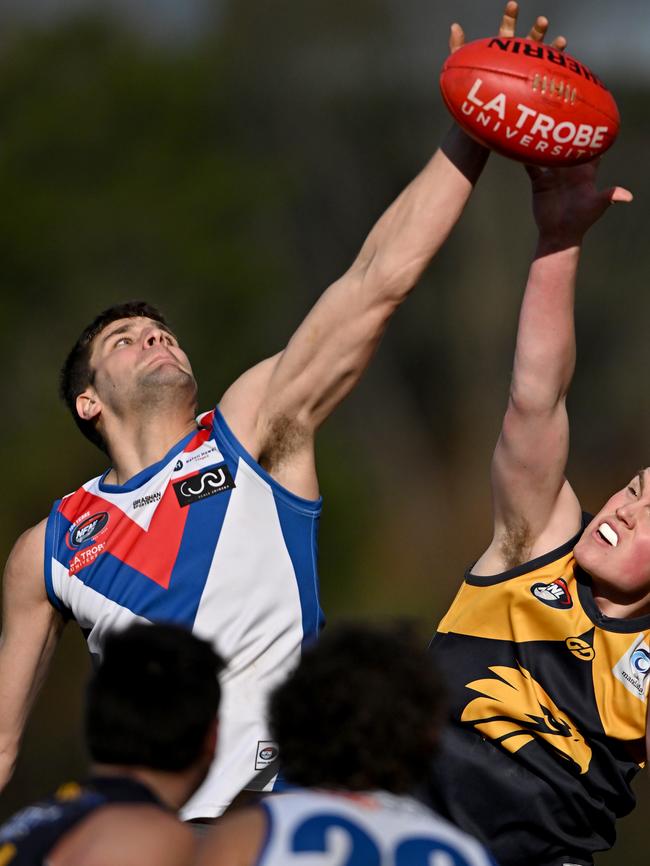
x=285, y=438
x=516, y=543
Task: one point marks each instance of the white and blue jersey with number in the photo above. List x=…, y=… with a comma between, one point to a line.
x=326, y=828
x=206, y=539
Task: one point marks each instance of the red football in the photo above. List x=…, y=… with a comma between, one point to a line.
x=529, y=101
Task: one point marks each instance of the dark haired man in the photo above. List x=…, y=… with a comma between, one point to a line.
x=211, y=522
x=151, y=729
x=546, y=648
x=357, y=724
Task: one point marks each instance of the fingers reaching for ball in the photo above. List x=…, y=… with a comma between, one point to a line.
x=507, y=29
x=559, y=43
x=456, y=38
x=539, y=28
x=509, y=20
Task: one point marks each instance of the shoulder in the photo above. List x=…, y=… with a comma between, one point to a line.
x=129, y=835
x=30, y=543
x=236, y=840
x=24, y=569
x=241, y=403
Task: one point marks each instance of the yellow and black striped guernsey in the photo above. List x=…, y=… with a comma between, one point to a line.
x=548, y=702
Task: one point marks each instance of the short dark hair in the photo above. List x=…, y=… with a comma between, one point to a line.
x=153, y=698
x=361, y=711
x=76, y=373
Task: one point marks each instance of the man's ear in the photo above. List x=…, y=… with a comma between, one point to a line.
x=88, y=405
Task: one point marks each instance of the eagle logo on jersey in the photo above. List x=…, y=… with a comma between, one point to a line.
x=514, y=710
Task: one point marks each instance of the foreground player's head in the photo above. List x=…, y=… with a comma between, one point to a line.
x=126, y=359
x=362, y=711
x=615, y=547
x=153, y=702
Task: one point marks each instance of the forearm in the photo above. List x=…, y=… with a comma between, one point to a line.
x=415, y=226
x=545, y=353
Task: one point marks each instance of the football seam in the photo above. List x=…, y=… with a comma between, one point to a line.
x=521, y=75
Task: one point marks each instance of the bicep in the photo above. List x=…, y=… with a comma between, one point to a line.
x=330, y=349
x=300, y=386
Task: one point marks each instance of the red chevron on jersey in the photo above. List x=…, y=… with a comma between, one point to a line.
x=152, y=552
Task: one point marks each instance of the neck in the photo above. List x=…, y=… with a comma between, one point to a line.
x=172, y=789
x=619, y=605
x=134, y=445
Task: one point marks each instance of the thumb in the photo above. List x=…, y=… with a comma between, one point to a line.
x=618, y=194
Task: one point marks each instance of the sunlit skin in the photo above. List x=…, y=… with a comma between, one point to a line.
x=620, y=571
x=135, y=358
x=143, y=393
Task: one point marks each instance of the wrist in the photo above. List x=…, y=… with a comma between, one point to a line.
x=465, y=153
x=550, y=243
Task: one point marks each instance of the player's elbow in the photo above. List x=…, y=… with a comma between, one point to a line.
x=530, y=395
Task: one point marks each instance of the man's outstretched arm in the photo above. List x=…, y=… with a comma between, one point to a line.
x=535, y=509
x=30, y=631
x=276, y=407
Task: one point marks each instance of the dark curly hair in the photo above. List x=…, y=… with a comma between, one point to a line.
x=361, y=711
x=153, y=699
x=76, y=373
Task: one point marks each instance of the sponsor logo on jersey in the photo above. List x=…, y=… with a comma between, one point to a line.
x=267, y=752
x=514, y=709
x=633, y=668
x=207, y=454
x=85, y=557
x=86, y=528
x=205, y=484
x=148, y=499
x=580, y=648
x=555, y=594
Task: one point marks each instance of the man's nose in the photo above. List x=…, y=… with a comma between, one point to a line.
x=153, y=336
x=627, y=513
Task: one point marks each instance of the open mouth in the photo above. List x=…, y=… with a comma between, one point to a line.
x=608, y=534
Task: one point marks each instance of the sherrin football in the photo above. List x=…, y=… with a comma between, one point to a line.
x=529, y=101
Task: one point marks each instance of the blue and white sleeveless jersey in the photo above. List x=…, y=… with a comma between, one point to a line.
x=204, y=538
x=324, y=828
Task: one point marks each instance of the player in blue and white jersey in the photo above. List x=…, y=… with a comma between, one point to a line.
x=211, y=522
x=357, y=725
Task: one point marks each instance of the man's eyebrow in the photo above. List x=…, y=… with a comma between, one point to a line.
x=641, y=476
x=127, y=326
x=113, y=333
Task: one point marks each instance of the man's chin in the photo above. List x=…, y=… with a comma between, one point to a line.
x=163, y=382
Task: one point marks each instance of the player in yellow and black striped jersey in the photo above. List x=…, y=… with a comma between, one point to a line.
x=549, y=698
x=546, y=648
